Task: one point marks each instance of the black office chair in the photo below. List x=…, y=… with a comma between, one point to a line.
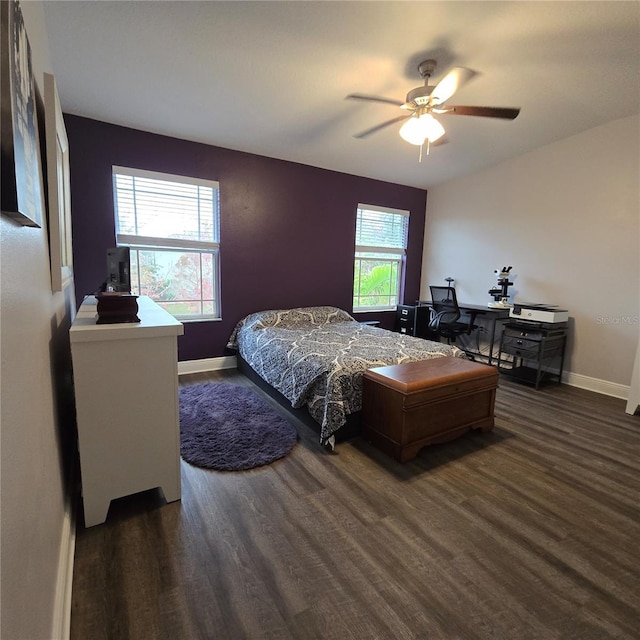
x=445, y=314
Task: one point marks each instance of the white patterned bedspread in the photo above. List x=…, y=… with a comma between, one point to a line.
x=317, y=356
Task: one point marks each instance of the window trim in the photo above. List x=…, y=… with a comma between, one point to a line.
x=151, y=243
x=168, y=177
x=399, y=260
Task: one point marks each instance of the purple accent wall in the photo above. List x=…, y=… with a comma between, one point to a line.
x=287, y=230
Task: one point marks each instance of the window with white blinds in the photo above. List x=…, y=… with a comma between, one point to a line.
x=172, y=226
x=381, y=244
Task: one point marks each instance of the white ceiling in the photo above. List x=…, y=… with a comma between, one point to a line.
x=270, y=77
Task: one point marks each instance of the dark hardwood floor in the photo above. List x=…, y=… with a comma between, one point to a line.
x=528, y=532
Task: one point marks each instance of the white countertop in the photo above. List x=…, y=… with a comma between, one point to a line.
x=154, y=322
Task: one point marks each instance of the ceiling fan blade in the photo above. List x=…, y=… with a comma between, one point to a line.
x=450, y=84
x=441, y=140
x=368, y=132
x=485, y=112
x=362, y=96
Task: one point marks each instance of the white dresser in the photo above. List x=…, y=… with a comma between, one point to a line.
x=126, y=388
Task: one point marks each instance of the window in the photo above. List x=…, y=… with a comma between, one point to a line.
x=172, y=226
x=381, y=242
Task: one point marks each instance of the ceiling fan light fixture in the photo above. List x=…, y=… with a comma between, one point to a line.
x=420, y=126
x=417, y=129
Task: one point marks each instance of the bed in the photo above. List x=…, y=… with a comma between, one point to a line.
x=316, y=357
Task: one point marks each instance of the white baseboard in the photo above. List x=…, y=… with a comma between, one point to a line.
x=62, y=614
x=604, y=387
x=572, y=379
x=206, y=364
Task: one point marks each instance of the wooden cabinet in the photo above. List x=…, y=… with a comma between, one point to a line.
x=126, y=388
x=410, y=405
x=535, y=353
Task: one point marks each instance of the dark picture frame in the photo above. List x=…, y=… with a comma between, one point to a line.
x=22, y=184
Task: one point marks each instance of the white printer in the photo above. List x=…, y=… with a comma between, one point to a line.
x=548, y=314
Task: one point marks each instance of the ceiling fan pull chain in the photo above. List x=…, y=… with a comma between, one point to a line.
x=420, y=156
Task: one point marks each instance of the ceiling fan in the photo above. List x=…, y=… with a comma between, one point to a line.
x=423, y=102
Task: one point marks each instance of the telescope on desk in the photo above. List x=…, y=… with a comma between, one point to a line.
x=500, y=293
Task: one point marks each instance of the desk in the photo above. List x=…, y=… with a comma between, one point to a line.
x=414, y=320
x=492, y=316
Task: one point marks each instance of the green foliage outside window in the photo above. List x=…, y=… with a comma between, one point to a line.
x=376, y=283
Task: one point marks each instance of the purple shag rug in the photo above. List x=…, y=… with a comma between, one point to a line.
x=227, y=427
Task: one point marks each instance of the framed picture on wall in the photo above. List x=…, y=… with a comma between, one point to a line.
x=22, y=187
x=58, y=187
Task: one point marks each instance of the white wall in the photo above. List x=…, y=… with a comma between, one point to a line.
x=567, y=217
x=35, y=528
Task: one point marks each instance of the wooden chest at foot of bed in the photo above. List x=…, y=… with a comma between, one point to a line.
x=408, y=406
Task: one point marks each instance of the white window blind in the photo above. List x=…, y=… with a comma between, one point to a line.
x=172, y=225
x=381, y=242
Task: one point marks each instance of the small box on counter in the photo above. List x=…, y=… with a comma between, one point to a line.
x=114, y=306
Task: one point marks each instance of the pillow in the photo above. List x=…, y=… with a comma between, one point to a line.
x=289, y=319
x=300, y=317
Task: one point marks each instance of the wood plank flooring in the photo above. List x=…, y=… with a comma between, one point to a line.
x=529, y=532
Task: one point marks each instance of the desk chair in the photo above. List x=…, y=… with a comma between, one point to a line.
x=445, y=314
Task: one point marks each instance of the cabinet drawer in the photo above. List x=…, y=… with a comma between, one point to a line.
x=520, y=332
x=527, y=354
x=519, y=343
x=405, y=312
x=532, y=354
